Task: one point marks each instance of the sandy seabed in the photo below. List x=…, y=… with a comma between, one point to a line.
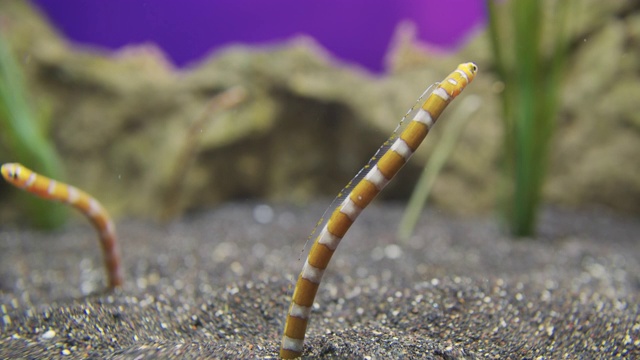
x=217, y=285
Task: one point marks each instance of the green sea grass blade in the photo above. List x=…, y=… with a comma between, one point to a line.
x=25, y=142
x=453, y=128
x=527, y=107
x=531, y=78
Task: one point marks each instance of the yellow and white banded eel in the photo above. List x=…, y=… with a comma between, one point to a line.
x=377, y=174
x=50, y=189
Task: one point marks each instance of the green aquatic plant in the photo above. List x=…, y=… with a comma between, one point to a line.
x=529, y=40
x=24, y=139
x=451, y=133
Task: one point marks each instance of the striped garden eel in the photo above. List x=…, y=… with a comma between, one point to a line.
x=376, y=174
x=50, y=189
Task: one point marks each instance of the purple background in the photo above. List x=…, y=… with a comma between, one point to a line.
x=354, y=30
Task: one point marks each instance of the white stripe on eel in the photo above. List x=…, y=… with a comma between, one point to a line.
x=312, y=273
x=292, y=344
x=401, y=148
x=94, y=208
x=299, y=311
x=52, y=187
x=328, y=239
x=442, y=93
x=350, y=209
x=376, y=177
x=423, y=116
x=463, y=74
x=31, y=180
x=109, y=229
x=72, y=195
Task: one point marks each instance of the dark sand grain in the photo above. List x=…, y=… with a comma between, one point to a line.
x=217, y=285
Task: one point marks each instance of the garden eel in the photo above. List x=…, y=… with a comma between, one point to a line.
x=50, y=189
x=371, y=179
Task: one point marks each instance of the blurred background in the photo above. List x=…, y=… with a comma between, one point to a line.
x=159, y=108
x=356, y=31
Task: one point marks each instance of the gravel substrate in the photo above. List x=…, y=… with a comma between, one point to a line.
x=217, y=285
